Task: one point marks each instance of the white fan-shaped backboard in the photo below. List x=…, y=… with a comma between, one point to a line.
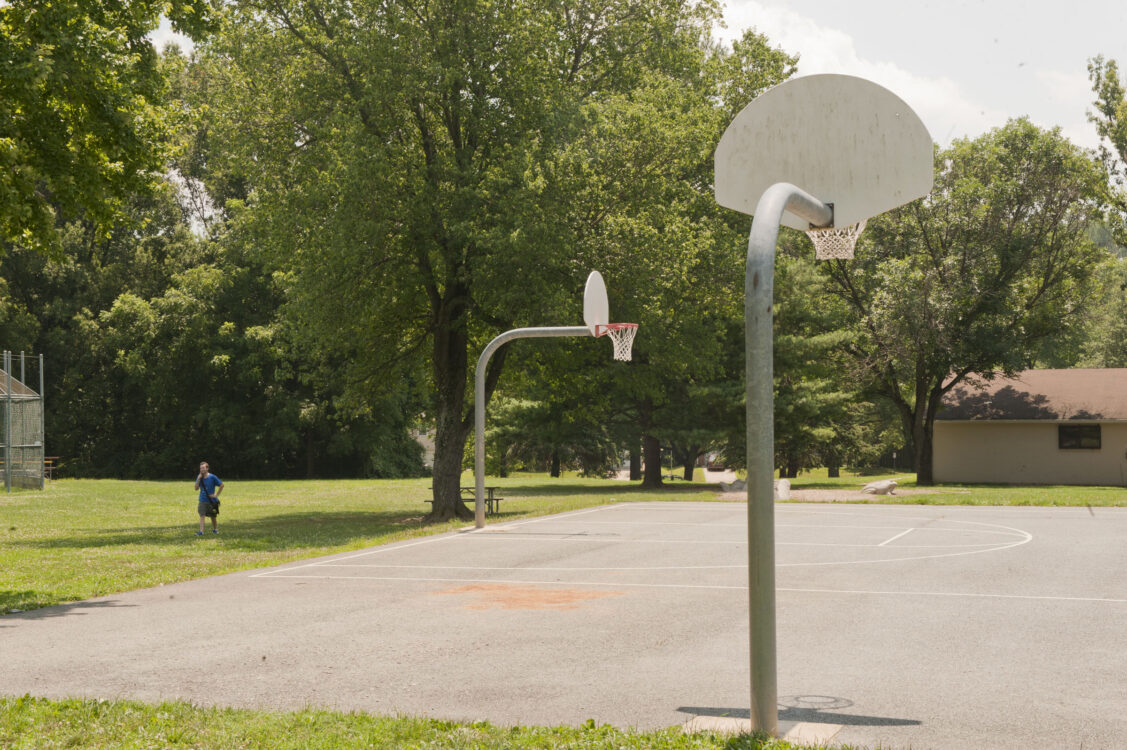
x=845, y=140
x=596, y=308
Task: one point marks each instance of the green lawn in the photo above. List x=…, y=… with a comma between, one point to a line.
x=27, y=723
x=968, y=494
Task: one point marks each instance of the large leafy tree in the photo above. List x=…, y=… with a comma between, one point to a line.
x=400, y=161
x=1105, y=337
x=633, y=191
x=1110, y=119
x=81, y=115
x=976, y=277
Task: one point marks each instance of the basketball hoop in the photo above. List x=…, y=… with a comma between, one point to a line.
x=622, y=336
x=833, y=243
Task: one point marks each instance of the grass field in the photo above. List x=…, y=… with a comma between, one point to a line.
x=971, y=494
x=27, y=723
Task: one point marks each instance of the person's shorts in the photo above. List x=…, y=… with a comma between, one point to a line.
x=209, y=508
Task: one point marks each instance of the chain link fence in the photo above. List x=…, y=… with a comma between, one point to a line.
x=21, y=421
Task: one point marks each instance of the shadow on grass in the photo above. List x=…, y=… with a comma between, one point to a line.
x=269, y=533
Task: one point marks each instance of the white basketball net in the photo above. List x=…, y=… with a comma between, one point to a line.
x=622, y=336
x=836, y=243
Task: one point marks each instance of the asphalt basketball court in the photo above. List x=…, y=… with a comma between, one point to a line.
x=897, y=625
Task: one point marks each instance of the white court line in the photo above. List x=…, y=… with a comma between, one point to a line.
x=446, y=536
x=500, y=533
x=893, y=539
x=905, y=559
x=623, y=584
x=385, y=548
x=742, y=566
x=1029, y=597
x=1009, y=532
x=742, y=524
x=736, y=542
x=540, y=519
x=615, y=584
x=806, y=526
x=604, y=539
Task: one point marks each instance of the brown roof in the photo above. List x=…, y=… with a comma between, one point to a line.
x=19, y=390
x=1055, y=395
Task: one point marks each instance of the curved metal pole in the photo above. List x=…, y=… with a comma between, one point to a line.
x=759, y=376
x=479, y=401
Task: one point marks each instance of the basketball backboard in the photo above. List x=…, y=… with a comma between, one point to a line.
x=845, y=140
x=596, y=308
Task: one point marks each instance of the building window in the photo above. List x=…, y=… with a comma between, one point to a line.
x=1078, y=437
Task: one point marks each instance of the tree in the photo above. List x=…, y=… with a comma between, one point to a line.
x=812, y=387
x=974, y=278
x=552, y=433
x=400, y=161
x=1105, y=336
x=1110, y=119
x=81, y=117
x=634, y=191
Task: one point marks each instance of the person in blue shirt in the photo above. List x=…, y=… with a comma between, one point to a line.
x=209, y=486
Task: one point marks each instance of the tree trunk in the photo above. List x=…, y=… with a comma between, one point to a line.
x=924, y=437
x=635, y=463
x=555, y=472
x=449, y=446
x=922, y=454
x=651, y=457
x=309, y=453
x=450, y=375
x=792, y=467
x=833, y=471
x=688, y=456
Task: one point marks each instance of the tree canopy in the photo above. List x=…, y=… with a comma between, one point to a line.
x=427, y=176
x=81, y=110
x=976, y=277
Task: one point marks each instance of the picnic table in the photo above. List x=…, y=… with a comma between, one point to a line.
x=469, y=495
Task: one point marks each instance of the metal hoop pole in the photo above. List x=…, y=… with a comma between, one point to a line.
x=42, y=429
x=479, y=402
x=759, y=342
x=8, y=424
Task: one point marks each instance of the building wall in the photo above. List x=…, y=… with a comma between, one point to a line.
x=1026, y=453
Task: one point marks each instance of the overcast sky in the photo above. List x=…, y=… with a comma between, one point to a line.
x=965, y=66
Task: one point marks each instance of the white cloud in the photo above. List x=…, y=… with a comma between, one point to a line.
x=941, y=103
x=164, y=35
x=1069, y=92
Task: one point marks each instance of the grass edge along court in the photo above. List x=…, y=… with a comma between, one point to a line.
x=27, y=723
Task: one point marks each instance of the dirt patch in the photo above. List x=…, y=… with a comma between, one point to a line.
x=506, y=596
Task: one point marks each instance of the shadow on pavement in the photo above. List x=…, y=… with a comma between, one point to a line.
x=804, y=715
x=55, y=610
